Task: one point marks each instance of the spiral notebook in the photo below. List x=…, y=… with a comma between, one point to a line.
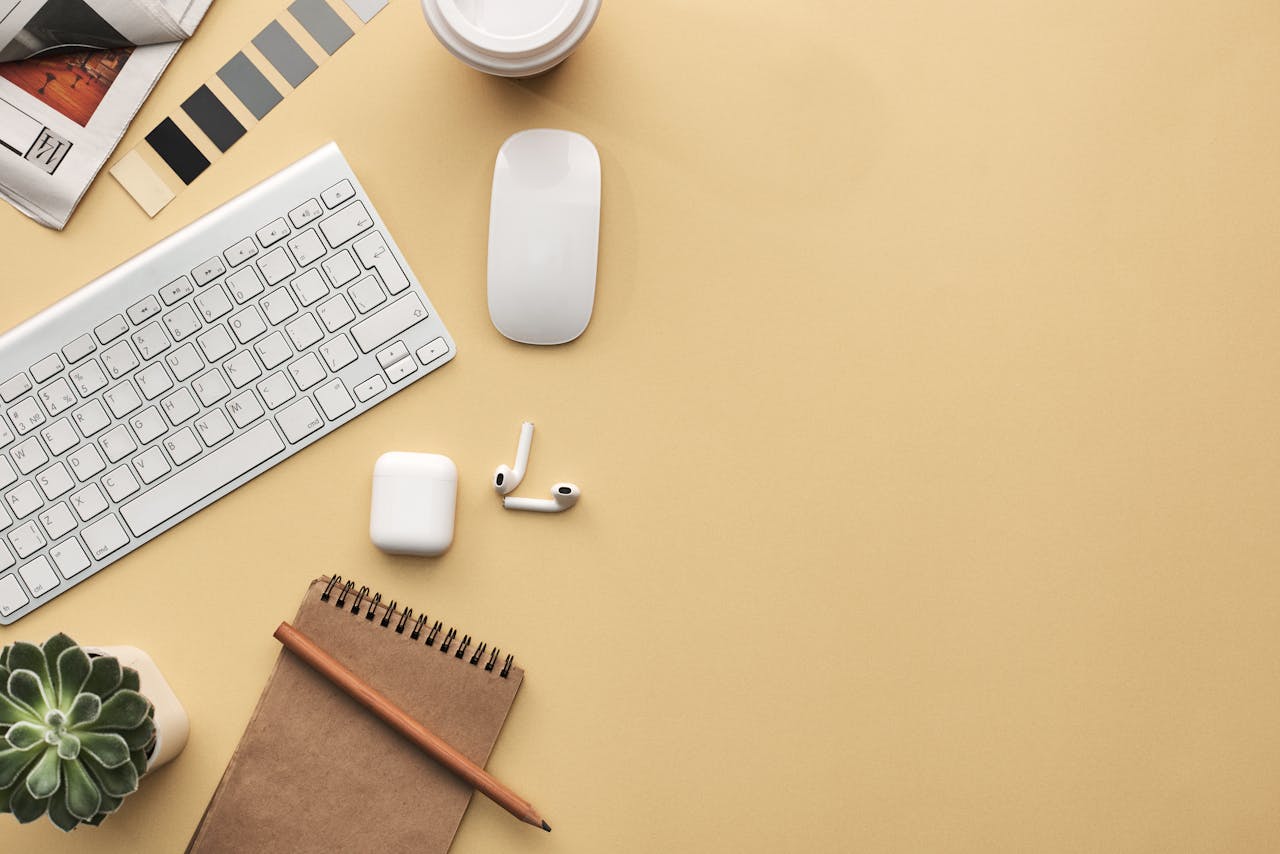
x=315, y=771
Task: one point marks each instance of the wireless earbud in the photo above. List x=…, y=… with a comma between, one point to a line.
x=505, y=478
x=564, y=496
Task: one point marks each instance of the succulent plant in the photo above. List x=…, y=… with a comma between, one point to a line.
x=75, y=733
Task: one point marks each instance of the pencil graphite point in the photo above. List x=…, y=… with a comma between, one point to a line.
x=546, y=827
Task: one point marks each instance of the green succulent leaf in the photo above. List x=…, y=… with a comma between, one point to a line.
x=5, y=795
x=116, y=782
x=108, y=748
x=85, y=709
x=51, y=649
x=129, y=680
x=73, y=669
x=25, y=735
x=125, y=710
x=68, y=746
x=104, y=676
x=28, y=656
x=25, y=808
x=139, y=737
x=44, y=778
x=4, y=675
x=109, y=804
x=60, y=815
x=139, y=760
x=13, y=762
x=12, y=712
x=83, y=797
x=25, y=687
x=4, y=656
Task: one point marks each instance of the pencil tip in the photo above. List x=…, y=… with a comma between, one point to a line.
x=546, y=827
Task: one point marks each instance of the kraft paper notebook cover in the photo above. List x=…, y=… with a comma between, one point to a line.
x=315, y=771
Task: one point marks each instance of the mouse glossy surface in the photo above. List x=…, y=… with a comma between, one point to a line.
x=544, y=236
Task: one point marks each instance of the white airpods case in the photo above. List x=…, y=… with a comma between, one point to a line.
x=415, y=497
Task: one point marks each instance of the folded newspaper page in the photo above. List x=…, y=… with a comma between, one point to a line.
x=73, y=73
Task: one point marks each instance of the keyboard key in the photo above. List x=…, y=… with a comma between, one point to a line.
x=213, y=303
x=46, y=368
x=179, y=288
x=150, y=341
x=5, y=521
x=122, y=399
x=86, y=462
x=55, y=481
x=142, y=309
x=240, y=252
x=148, y=425
x=345, y=224
x=434, y=349
x=216, y=343
x=11, y=595
x=305, y=213
x=335, y=312
x=306, y=372
x=400, y=370
x=299, y=420
x=245, y=409
x=7, y=474
x=15, y=387
x=211, y=387
x=29, y=456
x=88, y=378
x=60, y=436
x=215, y=427
x=374, y=253
x=26, y=416
x=111, y=329
x=26, y=539
x=182, y=322
x=275, y=266
x=24, y=500
x=117, y=443
x=387, y=323
x=78, y=349
x=91, y=418
x=6, y=559
x=119, y=360
x=151, y=465
x=179, y=406
x=375, y=385
x=185, y=362
x=273, y=350
x=334, y=399
x=304, y=332
x=338, y=353
x=57, y=397
x=69, y=557
x=202, y=478
x=153, y=380
x=39, y=576
x=89, y=502
x=338, y=193
x=341, y=268
x=182, y=447
x=307, y=247
x=6, y=435
x=279, y=306
x=208, y=271
x=275, y=390
x=393, y=354
x=248, y=324
x=242, y=369
x=104, y=536
x=245, y=284
x=57, y=521
x=367, y=294
x=310, y=287
x=273, y=232
x=121, y=483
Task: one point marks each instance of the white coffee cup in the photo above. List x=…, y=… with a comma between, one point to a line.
x=511, y=38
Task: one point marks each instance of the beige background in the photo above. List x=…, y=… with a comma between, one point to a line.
x=926, y=428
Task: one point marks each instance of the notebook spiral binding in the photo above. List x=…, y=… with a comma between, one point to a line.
x=359, y=596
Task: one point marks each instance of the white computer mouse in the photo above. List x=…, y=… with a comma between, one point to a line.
x=544, y=236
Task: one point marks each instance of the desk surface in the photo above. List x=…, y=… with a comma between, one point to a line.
x=926, y=428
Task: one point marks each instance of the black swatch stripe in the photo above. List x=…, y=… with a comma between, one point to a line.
x=180, y=153
x=212, y=117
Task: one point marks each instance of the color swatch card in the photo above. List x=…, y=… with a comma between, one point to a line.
x=244, y=90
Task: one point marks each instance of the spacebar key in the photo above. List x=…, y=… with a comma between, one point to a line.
x=201, y=479
x=389, y=322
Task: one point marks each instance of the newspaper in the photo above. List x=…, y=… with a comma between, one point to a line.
x=73, y=74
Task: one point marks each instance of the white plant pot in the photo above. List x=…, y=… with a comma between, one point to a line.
x=172, y=723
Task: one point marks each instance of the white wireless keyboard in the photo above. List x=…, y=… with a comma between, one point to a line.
x=196, y=366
